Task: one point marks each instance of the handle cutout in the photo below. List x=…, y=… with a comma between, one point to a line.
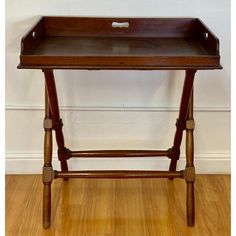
x=206, y=36
x=34, y=34
x=120, y=24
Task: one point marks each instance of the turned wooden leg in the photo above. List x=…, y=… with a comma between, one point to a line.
x=181, y=121
x=190, y=170
x=47, y=165
x=57, y=122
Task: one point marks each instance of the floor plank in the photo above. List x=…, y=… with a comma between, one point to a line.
x=120, y=207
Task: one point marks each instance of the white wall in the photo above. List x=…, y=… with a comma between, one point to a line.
x=117, y=109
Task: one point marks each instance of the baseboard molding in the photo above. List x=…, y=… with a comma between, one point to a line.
x=31, y=163
x=13, y=107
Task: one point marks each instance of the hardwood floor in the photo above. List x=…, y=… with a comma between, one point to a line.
x=108, y=207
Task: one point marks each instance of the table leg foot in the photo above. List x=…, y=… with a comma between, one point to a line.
x=46, y=206
x=190, y=204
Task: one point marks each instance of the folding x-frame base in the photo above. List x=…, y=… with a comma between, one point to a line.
x=53, y=121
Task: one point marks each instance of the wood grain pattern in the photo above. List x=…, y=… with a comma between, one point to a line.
x=140, y=207
x=190, y=207
x=181, y=121
x=55, y=115
x=47, y=163
x=102, y=26
x=84, y=43
x=97, y=46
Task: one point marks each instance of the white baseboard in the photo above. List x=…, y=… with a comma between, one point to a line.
x=31, y=163
x=17, y=107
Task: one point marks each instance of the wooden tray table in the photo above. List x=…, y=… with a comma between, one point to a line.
x=119, y=44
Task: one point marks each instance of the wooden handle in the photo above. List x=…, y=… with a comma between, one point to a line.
x=120, y=24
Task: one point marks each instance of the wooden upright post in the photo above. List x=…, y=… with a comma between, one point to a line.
x=47, y=164
x=190, y=170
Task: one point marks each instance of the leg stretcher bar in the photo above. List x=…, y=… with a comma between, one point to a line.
x=49, y=174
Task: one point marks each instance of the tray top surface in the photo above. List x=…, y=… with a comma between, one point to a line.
x=119, y=43
x=89, y=46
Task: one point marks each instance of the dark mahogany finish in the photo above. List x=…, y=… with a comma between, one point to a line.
x=93, y=43
x=119, y=43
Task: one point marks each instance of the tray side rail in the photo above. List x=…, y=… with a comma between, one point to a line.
x=33, y=37
x=207, y=38
x=119, y=27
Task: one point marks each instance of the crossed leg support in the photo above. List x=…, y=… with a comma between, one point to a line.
x=52, y=121
x=181, y=121
x=55, y=116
